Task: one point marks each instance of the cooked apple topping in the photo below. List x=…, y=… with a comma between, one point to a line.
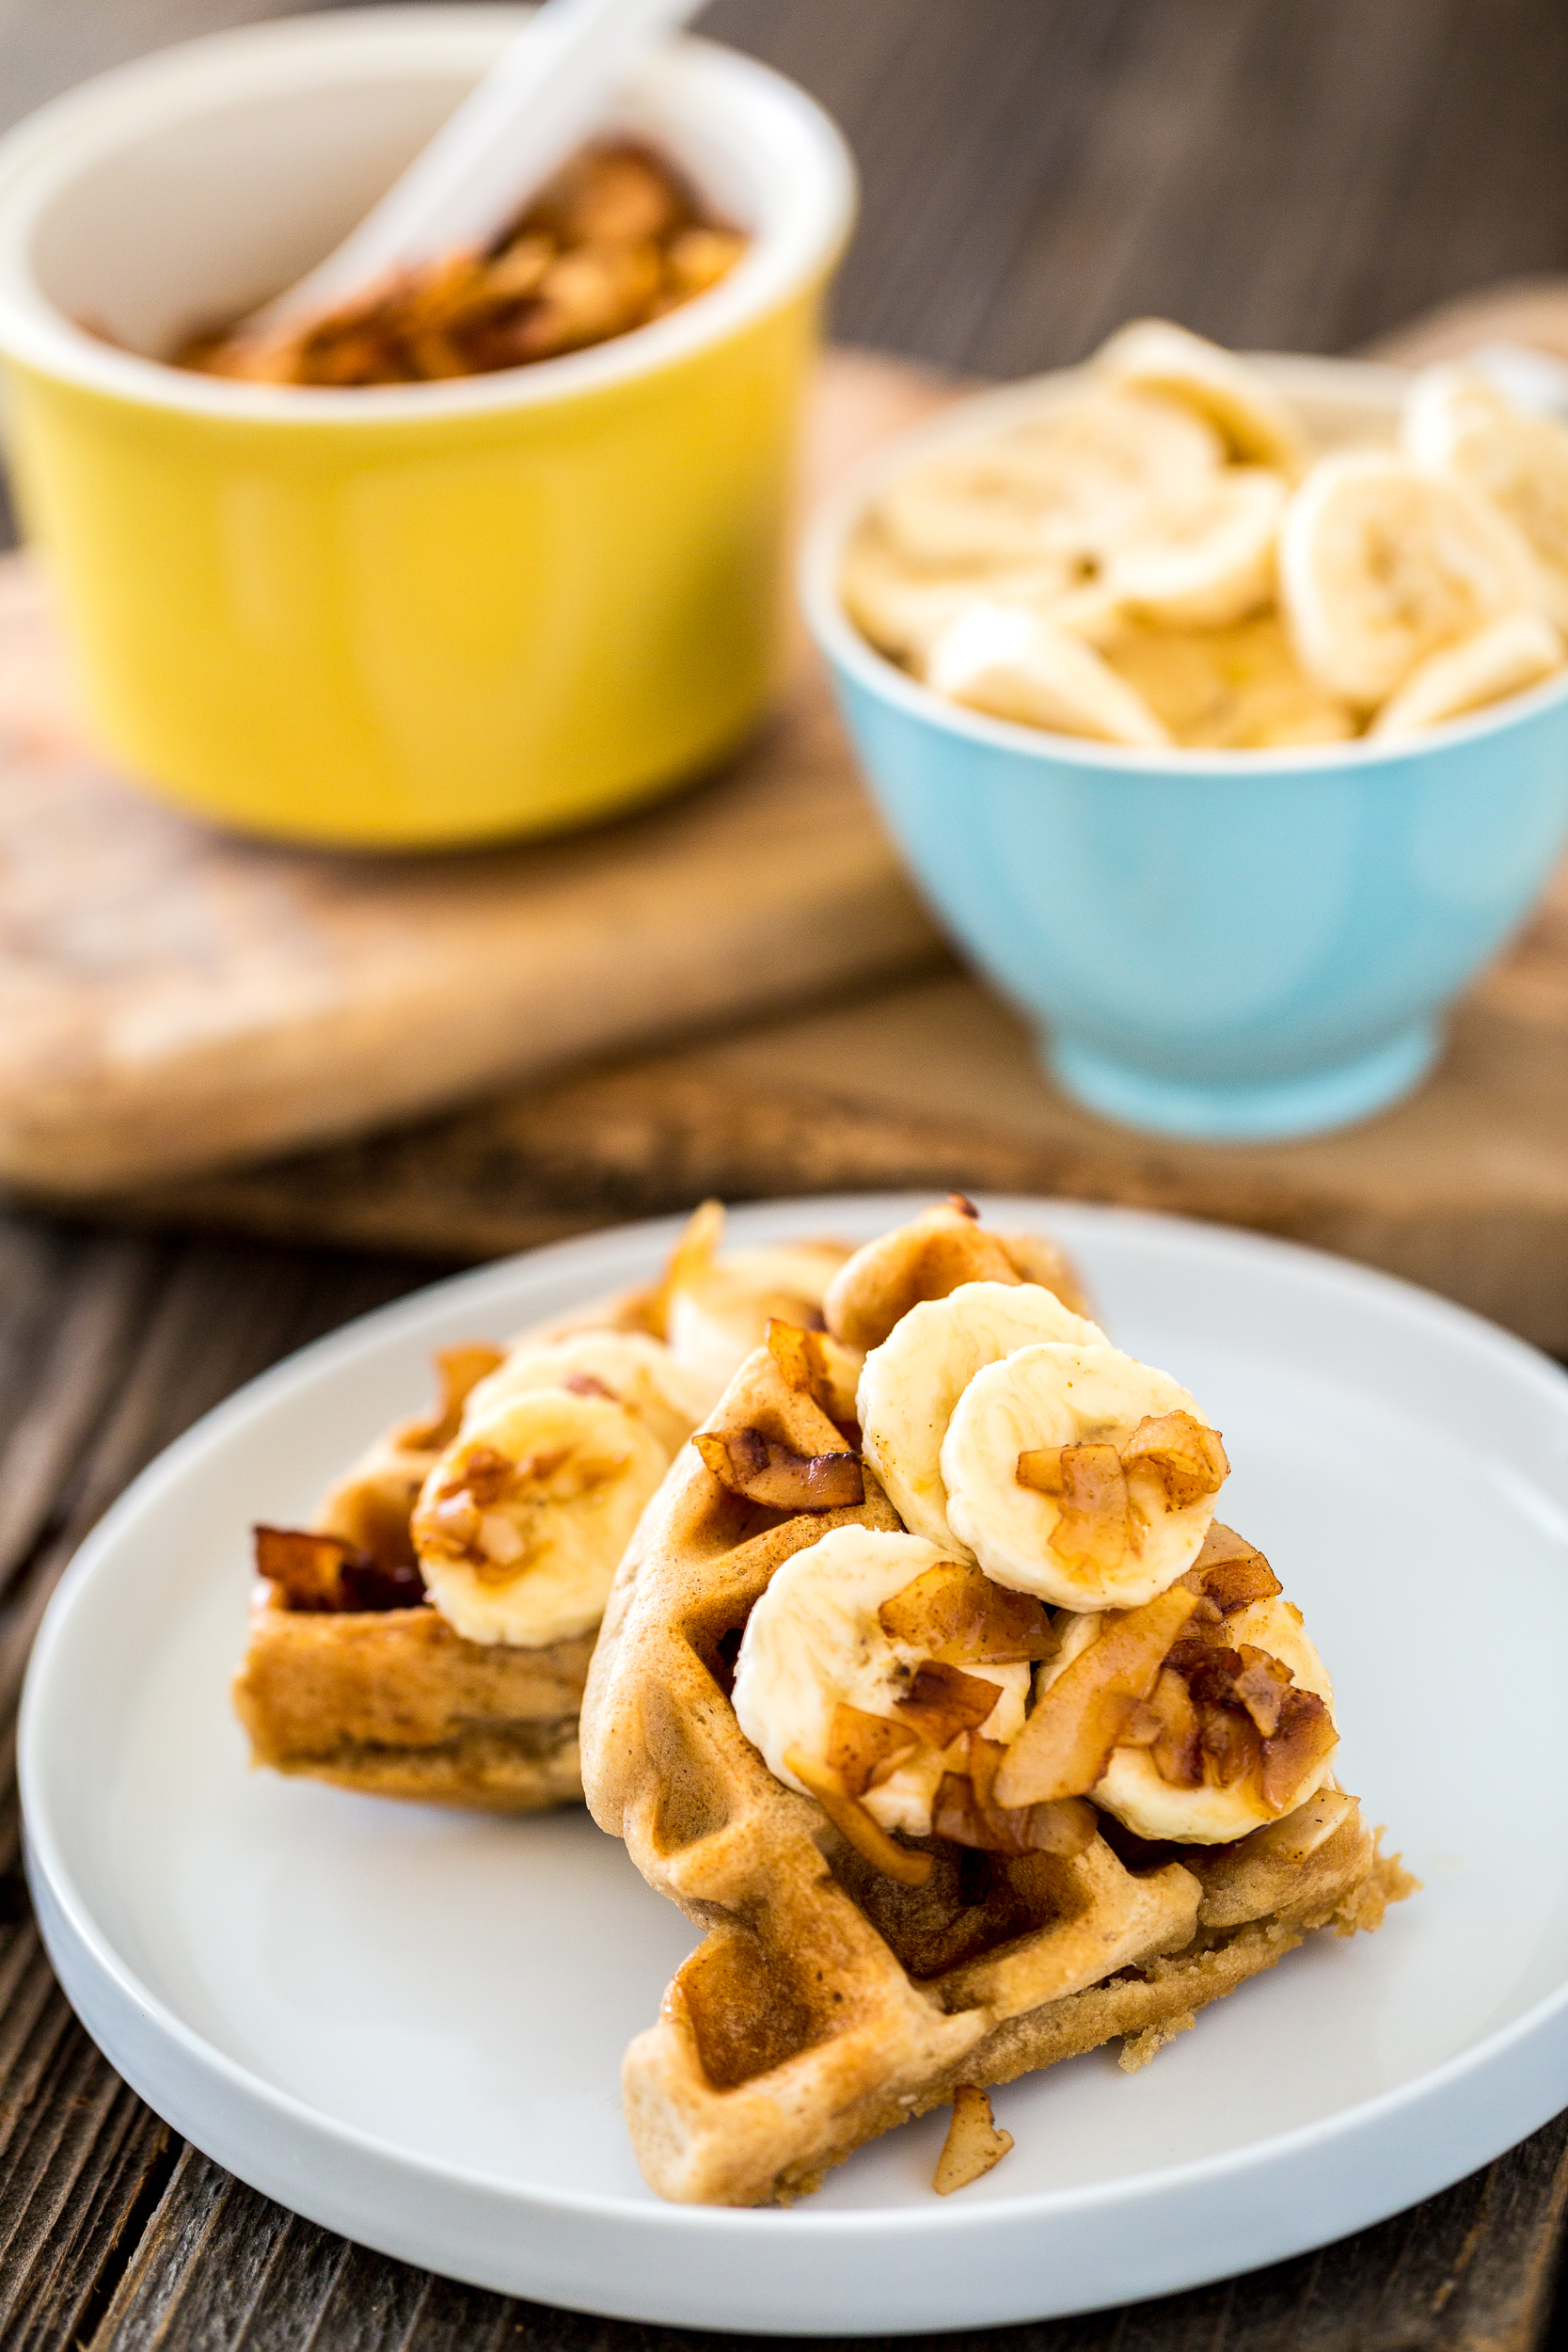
x=856, y=1825
x=1079, y=1718
x=974, y=2143
x=1102, y=1492
x=310, y=1572
x=615, y=241
x=821, y=1368
x=764, y=1470
x=1188, y=1720
x=966, y=1811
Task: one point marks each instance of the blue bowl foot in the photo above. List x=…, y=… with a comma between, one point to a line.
x=1246, y=1113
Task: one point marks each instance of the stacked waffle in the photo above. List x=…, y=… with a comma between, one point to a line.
x=933, y=1690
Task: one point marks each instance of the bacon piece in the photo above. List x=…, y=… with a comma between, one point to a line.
x=863, y=1749
x=855, y=1825
x=956, y=1615
x=1091, y=1486
x=315, y=1573
x=1306, y=1738
x=1230, y=1572
x=1066, y=1743
x=761, y=1469
x=1183, y=1456
x=941, y=1701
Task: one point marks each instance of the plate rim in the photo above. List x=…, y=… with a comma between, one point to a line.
x=65, y=1910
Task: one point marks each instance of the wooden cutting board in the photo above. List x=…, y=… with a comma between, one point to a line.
x=173, y=998
x=929, y=1081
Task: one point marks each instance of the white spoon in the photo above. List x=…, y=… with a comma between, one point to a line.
x=548, y=89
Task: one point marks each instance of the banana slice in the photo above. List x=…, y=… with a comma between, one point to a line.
x=717, y=1309
x=1256, y=425
x=1005, y=660
x=911, y=1385
x=813, y=1642
x=1458, y=422
x=520, y=1526
x=1504, y=658
x=1211, y=558
x=1110, y=1545
x=1237, y=688
x=902, y=611
x=630, y=1367
x=1068, y=483
x=1381, y=563
x=1151, y=1806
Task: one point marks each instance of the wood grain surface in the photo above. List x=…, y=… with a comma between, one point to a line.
x=1281, y=172
x=1464, y=1187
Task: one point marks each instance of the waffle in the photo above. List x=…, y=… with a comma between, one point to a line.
x=391, y=1700
x=826, y=2001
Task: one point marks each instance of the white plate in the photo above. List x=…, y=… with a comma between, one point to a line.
x=408, y=2025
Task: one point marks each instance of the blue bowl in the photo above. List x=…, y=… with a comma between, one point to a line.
x=1224, y=944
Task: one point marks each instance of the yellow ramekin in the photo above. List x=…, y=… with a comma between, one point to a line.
x=417, y=614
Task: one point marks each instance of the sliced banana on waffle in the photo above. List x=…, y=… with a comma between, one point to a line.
x=1237, y=688
x=1456, y=422
x=909, y=1386
x=1074, y=1472
x=1504, y=658
x=1381, y=563
x=814, y=1642
x=1187, y=1800
x=520, y=1525
x=1012, y=663
x=1256, y=425
x=630, y=1368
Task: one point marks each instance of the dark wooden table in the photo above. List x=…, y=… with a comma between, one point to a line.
x=1300, y=173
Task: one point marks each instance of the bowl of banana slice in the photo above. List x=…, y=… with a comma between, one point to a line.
x=1220, y=708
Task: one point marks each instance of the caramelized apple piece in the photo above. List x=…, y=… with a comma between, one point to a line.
x=818, y=1367
x=855, y=1825
x=941, y=1701
x=1066, y=1743
x=956, y=1615
x=974, y=2143
x=1178, y=1753
x=1230, y=1572
x=1091, y=1486
x=1231, y=1748
x=761, y=1469
x=313, y=1572
x=1305, y=1738
x=863, y=1749
x=1261, y=1688
x=1182, y=1455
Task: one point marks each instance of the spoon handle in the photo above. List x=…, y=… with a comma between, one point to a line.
x=545, y=92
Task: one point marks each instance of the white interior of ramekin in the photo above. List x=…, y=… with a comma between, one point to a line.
x=1340, y=401
x=177, y=192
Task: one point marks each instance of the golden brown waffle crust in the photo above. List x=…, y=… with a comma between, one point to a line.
x=394, y=1703
x=795, y=2032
